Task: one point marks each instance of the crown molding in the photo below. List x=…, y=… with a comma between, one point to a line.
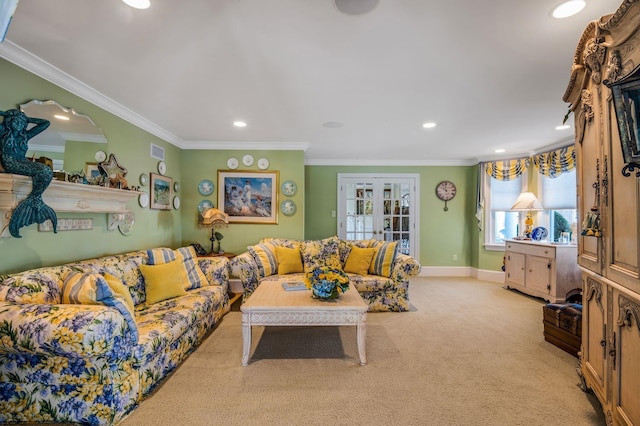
x=404, y=163
x=25, y=59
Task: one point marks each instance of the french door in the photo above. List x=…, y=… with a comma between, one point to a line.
x=380, y=206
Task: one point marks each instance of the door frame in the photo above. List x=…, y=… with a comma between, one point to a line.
x=414, y=204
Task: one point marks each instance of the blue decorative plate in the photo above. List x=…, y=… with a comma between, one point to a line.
x=540, y=233
x=204, y=206
x=205, y=187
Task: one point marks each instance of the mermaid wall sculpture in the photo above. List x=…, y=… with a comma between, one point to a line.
x=14, y=143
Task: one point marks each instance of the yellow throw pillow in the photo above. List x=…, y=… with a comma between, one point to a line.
x=383, y=258
x=164, y=281
x=118, y=287
x=359, y=260
x=289, y=260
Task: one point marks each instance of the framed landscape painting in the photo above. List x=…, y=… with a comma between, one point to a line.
x=161, y=187
x=248, y=197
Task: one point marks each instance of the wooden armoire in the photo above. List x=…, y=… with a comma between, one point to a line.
x=604, y=96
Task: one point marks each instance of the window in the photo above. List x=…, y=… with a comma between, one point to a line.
x=558, y=196
x=503, y=224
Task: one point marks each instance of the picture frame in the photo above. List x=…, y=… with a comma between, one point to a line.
x=261, y=206
x=92, y=172
x=161, y=192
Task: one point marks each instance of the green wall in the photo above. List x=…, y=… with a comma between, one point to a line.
x=442, y=234
x=131, y=146
x=204, y=164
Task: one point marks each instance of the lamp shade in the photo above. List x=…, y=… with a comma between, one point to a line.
x=213, y=217
x=527, y=201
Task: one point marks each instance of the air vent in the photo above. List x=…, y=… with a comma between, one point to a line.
x=157, y=152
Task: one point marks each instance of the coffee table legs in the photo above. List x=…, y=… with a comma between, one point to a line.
x=361, y=331
x=246, y=339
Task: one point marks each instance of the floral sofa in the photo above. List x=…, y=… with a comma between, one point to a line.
x=382, y=278
x=85, y=343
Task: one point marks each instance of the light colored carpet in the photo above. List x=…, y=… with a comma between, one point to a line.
x=468, y=353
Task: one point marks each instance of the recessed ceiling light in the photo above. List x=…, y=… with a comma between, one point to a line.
x=356, y=7
x=138, y=4
x=563, y=127
x=240, y=124
x=61, y=117
x=332, y=124
x=499, y=150
x=568, y=8
x=429, y=125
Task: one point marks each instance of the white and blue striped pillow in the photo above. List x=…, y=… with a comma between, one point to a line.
x=92, y=289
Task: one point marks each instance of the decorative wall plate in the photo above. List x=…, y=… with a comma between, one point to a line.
x=289, y=188
x=288, y=207
x=162, y=167
x=204, y=206
x=205, y=187
x=263, y=164
x=176, y=202
x=128, y=221
x=144, y=179
x=247, y=160
x=176, y=186
x=143, y=199
x=232, y=163
x=100, y=156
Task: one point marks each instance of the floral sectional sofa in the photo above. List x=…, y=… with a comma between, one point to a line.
x=85, y=342
x=378, y=271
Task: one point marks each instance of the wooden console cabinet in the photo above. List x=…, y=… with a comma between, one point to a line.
x=608, y=52
x=542, y=270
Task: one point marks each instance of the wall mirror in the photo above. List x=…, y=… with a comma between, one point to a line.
x=626, y=101
x=71, y=140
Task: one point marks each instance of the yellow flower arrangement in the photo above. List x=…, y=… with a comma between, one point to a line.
x=327, y=283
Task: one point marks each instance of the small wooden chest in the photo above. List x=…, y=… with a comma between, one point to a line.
x=563, y=326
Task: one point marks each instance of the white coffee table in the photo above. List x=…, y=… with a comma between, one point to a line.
x=271, y=305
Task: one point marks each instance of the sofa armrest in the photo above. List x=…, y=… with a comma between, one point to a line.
x=216, y=269
x=66, y=330
x=245, y=267
x=404, y=267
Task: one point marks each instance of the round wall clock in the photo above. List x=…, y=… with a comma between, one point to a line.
x=162, y=167
x=445, y=191
x=100, y=156
x=232, y=163
x=289, y=188
x=144, y=179
x=205, y=187
x=247, y=160
x=288, y=207
x=263, y=164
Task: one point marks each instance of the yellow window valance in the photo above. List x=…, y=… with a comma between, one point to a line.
x=551, y=164
x=507, y=169
x=554, y=163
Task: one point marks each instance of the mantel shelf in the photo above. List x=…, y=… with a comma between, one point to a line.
x=63, y=197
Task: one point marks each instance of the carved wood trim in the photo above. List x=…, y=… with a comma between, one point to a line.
x=628, y=308
x=594, y=289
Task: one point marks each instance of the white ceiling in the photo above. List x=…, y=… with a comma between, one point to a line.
x=491, y=73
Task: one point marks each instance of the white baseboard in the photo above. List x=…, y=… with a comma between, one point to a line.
x=462, y=271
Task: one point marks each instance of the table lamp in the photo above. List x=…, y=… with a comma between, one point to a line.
x=213, y=218
x=527, y=202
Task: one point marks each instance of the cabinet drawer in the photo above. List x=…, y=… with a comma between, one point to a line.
x=531, y=249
